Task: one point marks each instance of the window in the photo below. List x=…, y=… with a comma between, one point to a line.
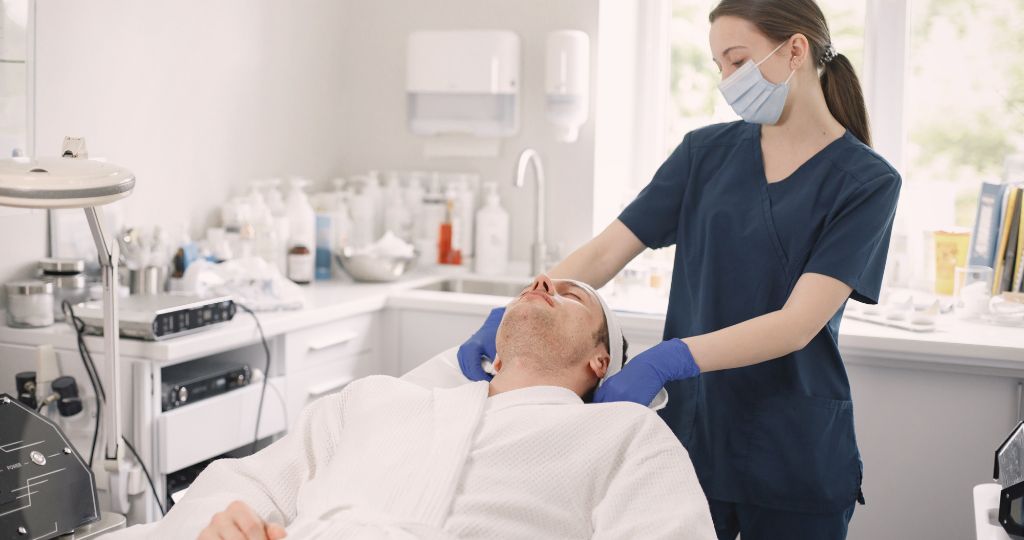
x=13, y=16
x=965, y=62
x=694, y=98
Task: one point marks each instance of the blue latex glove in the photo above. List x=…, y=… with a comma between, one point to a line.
x=647, y=373
x=481, y=344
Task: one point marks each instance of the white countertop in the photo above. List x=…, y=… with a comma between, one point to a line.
x=955, y=344
x=324, y=302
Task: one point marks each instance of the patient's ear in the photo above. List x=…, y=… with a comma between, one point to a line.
x=497, y=365
x=599, y=365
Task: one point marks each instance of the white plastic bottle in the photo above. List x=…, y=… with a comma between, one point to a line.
x=282, y=225
x=492, y=233
x=392, y=188
x=432, y=215
x=265, y=239
x=342, y=224
x=302, y=230
x=361, y=208
x=273, y=197
x=413, y=194
x=467, y=206
x=397, y=218
x=373, y=191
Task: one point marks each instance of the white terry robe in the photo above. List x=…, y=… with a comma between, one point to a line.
x=386, y=458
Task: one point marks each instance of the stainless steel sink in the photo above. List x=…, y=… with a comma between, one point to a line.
x=507, y=288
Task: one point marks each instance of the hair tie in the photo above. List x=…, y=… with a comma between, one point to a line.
x=829, y=55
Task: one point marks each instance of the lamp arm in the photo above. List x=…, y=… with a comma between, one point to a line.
x=108, y=257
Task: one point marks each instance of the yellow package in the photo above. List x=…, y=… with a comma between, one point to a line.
x=950, y=252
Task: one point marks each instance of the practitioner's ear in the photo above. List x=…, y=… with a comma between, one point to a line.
x=599, y=365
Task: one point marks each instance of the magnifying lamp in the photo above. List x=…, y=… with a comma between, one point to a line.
x=73, y=181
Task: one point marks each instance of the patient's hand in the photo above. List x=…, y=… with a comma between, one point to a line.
x=239, y=522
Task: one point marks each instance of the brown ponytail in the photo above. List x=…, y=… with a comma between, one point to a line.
x=844, y=98
x=779, y=20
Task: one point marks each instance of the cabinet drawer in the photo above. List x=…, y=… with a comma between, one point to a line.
x=309, y=385
x=210, y=427
x=424, y=334
x=329, y=342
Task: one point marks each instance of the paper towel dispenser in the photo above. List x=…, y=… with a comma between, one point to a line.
x=463, y=82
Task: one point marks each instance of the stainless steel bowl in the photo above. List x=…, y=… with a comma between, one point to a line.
x=366, y=267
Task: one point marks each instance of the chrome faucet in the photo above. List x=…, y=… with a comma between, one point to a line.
x=539, y=249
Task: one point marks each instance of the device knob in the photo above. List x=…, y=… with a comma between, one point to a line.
x=182, y=394
x=69, y=404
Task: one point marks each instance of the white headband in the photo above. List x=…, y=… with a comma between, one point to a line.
x=614, y=333
x=615, y=345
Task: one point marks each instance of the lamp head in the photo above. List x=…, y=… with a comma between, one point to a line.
x=62, y=182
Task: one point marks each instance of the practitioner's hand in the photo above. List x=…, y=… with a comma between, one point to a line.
x=480, y=344
x=239, y=522
x=646, y=374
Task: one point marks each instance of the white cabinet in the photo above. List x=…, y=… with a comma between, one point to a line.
x=220, y=424
x=926, y=437
x=422, y=334
x=322, y=359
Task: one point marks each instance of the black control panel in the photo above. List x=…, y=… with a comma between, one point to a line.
x=46, y=488
x=194, y=381
x=184, y=320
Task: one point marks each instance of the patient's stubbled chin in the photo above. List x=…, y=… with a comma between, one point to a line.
x=532, y=337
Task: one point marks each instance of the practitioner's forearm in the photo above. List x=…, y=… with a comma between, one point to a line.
x=814, y=301
x=750, y=342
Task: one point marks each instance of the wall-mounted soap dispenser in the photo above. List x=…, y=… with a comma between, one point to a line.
x=463, y=83
x=567, y=82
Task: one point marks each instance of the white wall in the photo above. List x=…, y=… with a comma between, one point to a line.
x=197, y=98
x=194, y=97
x=22, y=232
x=374, y=135
x=22, y=244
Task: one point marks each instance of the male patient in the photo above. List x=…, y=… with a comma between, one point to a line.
x=519, y=457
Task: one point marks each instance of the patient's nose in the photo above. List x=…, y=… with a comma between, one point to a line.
x=542, y=283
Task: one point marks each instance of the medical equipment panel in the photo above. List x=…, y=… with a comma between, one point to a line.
x=162, y=316
x=190, y=382
x=1009, y=472
x=46, y=489
x=194, y=433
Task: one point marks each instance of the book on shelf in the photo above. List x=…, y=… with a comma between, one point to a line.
x=1018, y=265
x=1006, y=252
x=987, y=222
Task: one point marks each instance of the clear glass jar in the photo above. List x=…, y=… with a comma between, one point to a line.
x=29, y=304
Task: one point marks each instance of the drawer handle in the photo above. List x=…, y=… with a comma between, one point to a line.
x=328, y=387
x=332, y=341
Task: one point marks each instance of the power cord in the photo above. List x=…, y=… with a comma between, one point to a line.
x=152, y=486
x=90, y=369
x=266, y=373
x=101, y=396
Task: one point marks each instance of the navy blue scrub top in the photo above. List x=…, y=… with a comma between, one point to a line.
x=778, y=434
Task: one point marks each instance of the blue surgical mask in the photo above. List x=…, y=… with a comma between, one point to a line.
x=753, y=97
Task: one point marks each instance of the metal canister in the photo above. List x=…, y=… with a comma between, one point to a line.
x=69, y=283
